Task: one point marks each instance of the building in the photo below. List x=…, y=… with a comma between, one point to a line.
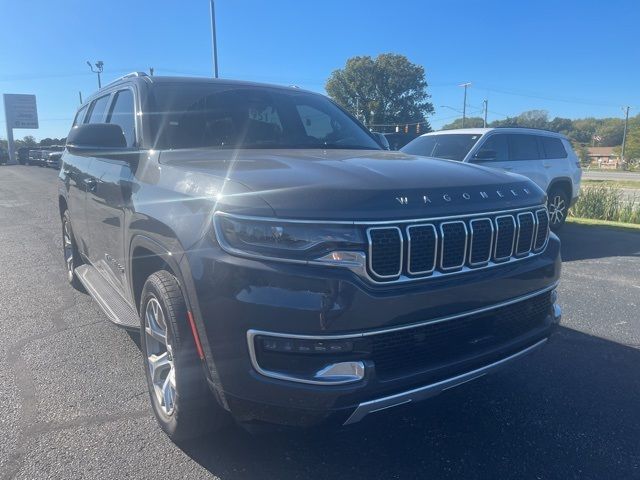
x=604, y=157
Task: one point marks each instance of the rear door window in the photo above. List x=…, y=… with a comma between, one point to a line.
x=98, y=108
x=123, y=113
x=552, y=147
x=523, y=147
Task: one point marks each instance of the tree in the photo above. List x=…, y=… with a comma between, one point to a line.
x=469, y=122
x=385, y=90
x=28, y=141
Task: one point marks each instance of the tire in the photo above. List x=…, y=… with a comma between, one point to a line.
x=181, y=399
x=71, y=255
x=558, y=205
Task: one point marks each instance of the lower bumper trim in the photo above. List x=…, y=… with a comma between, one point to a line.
x=421, y=393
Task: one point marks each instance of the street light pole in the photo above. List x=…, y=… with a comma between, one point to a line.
x=486, y=104
x=624, y=134
x=98, y=70
x=214, y=41
x=464, y=104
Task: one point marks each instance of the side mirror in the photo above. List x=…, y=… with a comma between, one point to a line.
x=486, y=155
x=94, y=139
x=382, y=140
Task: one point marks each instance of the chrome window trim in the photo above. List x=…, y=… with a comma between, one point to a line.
x=442, y=244
x=477, y=264
x=435, y=248
x=546, y=240
x=495, y=246
x=524, y=252
x=370, y=251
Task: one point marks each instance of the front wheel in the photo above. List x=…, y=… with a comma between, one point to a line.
x=558, y=205
x=72, y=259
x=180, y=396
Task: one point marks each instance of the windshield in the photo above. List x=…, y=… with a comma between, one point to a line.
x=231, y=116
x=451, y=146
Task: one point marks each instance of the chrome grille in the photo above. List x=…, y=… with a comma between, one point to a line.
x=452, y=245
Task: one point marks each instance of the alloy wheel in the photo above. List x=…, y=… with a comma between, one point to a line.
x=68, y=249
x=159, y=356
x=557, y=209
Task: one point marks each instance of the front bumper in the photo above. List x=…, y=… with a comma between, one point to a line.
x=239, y=297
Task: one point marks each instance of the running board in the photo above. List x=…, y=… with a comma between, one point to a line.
x=114, y=306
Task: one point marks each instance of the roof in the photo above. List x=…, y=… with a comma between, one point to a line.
x=141, y=77
x=482, y=131
x=602, y=152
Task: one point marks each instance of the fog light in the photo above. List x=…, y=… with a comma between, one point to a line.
x=341, y=372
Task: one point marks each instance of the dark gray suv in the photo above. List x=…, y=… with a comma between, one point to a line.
x=282, y=267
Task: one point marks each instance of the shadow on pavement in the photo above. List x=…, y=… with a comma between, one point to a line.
x=569, y=411
x=580, y=242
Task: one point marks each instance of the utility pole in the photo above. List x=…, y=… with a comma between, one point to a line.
x=624, y=135
x=464, y=104
x=98, y=70
x=486, y=105
x=214, y=42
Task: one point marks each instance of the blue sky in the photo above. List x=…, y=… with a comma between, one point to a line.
x=572, y=58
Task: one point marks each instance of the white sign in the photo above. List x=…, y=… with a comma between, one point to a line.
x=20, y=110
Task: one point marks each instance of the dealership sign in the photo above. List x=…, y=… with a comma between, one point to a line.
x=20, y=110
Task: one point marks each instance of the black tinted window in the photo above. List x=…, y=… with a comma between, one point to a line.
x=232, y=116
x=80, y=116
x=97, y=109
x=495, y=149
x=452, y=146
x=553, y=147
x=123, y=114
x=523, y=147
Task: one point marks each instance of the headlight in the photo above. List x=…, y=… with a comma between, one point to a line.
x=333, y=244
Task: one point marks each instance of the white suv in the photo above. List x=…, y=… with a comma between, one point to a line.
x=545, y=157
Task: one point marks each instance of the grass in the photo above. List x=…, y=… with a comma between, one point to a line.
x=604, y=223
x=632, y=184
x=603, y=202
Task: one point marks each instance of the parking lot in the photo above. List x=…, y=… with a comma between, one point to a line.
x=74, y=400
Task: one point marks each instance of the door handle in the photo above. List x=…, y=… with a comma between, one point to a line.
x=508, y=169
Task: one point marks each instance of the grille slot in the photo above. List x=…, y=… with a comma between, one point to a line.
x=385, y=251
x=481, y=241
x=454, y=245
x=421, y=348
x=526, y=229
x=422, y=249
x=505, y=234
x=542, y=230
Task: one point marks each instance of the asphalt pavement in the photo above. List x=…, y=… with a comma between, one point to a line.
x=74, y=401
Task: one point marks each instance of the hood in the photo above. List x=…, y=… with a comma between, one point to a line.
x=360, y=185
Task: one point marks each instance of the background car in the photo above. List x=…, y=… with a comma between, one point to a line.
x=53, y=159
x=545, y=157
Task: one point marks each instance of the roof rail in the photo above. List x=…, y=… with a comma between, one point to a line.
x=128, y=75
